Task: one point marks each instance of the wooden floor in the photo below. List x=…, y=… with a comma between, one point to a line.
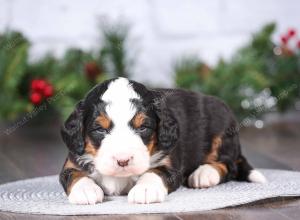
x=31, y=151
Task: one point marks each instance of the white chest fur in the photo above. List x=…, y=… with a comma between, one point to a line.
x=114, y=185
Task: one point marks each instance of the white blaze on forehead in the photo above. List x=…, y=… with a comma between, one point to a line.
x=118, y=96
x=122, y=141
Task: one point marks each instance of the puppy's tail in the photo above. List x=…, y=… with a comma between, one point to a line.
x=247, y=173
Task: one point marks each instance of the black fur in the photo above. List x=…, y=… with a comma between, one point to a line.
x=184, y=122
x=192, y=120
x=71, y=131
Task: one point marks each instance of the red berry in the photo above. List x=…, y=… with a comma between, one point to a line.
x=34, y=84
x=48, y=91
x=284, y=39
x=92, y=70
x=291, y=32
x=41, y=84
x=36, y=98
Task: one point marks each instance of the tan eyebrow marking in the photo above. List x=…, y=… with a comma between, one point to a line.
x=139, y=119
x=104, y=121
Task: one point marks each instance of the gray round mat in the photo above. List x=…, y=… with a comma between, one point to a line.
x=44, y=195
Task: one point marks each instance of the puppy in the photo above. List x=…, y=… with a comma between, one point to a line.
x=126, y=139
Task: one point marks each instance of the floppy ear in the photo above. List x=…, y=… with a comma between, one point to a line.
x=168, y=130
x=71, y=131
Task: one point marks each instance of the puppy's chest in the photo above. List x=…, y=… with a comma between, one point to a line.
x=114, y=185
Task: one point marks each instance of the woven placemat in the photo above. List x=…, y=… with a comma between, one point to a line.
x=44, y=195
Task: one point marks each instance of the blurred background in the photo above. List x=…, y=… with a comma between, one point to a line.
x=53, y=52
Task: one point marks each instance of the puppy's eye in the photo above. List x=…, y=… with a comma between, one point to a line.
x=100, y=130
x=142, y=129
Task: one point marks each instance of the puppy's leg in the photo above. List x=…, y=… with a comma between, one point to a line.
x=247, y=173
x=79, y=188
x=150, y=188
x=224, y=162
x=213, y=171
x=207, y=175
x=154, y=185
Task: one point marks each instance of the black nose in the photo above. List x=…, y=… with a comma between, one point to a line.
x=123, y=163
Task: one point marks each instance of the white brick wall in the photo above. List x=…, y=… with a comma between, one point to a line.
x=162, y=30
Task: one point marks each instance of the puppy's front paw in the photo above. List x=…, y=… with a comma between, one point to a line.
x=85, y=192
x=149, y=189
x=203, y=177
x=145, y=194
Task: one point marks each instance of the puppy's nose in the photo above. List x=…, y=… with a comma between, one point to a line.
x=123, y=163
x=123, y=159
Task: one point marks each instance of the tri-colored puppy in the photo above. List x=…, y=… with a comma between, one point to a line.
x=126, y=139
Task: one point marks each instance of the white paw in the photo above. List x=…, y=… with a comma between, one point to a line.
x=256, y=177
x=203, y=177
x=85, y=192
x=149, y=189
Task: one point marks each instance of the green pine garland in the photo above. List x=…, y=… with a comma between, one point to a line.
x=253, y=70
x=71, y=77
